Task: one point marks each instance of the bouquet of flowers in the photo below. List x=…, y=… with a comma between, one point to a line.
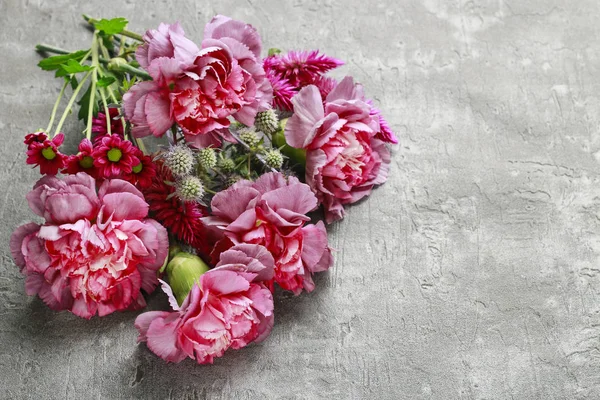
x=218, y=212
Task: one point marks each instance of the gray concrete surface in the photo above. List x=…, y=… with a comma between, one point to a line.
x=472, y=274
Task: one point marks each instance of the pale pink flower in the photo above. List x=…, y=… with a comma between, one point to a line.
x=229, y=307
x=345, y=159
x=95, y=251
x=272, y=212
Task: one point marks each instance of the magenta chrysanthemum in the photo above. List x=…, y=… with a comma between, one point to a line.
x=301, y=68
x=44, y=152
x=283, y=91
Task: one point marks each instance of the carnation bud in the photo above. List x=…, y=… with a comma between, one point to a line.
x=267, y=121
x=274, y=158
x=180, y=160
x=249, y=136
x=207, y=158
x=189, y=188
x=183, y=271
x=116, y=63
x=226, y=164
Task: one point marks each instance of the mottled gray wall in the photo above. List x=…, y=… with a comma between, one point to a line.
x=472, y=274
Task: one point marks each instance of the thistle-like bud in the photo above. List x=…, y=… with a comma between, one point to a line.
x=274, y=158
x=189, y=188
x=183, y=271
x=180, y=160
x=249, y=136
x=266, y=121
x=207, y=158
x=232, y=180
x=227, y=165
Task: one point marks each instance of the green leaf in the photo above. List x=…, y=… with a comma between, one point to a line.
x=111, y=26
x=273, y=51
x=105, y=81
x=55, y=62
x=71, y=67
x=74, y=82
x=84, y=104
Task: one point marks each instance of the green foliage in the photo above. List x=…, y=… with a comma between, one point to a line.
x=71, y=67
x=111, y=26
x=105, y=81
x=84, y=104
x=56, y=62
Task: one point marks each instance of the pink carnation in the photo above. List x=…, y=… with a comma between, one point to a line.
x=345, y=159
x=272, y=212
x=229, y=307
x=198, y=89
x=95, y=251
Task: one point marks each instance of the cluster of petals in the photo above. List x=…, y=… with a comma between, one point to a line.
x=272, y=212
x=199, y=89
x=228, y=308
x=345, y=158
x=43, y=151
x=294, y=70
x=96, y=249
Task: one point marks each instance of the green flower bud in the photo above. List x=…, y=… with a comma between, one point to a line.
x=183, y=271
x=116, y=63
x=207, y=158
x=267, y=121
x=226, y=164
x=249, y=136
x=274, y=158
x=180, y=160
x=189, y=188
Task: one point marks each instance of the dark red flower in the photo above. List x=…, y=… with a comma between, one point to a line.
x=82, y=161
x=45, y=152
x=182, y=219
x=142, y=174
x=114, y=157
x=99, y=126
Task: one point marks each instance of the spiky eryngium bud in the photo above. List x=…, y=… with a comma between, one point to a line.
x=183, y=271
x=207, y=158
x=226, y=164
x=180, y=160
x=249, y=136
x=189, y=188
x=232, y=180
x=266, y=121
x=274, y=158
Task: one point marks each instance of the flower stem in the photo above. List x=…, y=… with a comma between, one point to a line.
x=50, y=49
x=106, y=111
x=124, y=32
x=55, y=109
x=95, y=65
x=258, y=156
x=71, y=102
x=134, y=71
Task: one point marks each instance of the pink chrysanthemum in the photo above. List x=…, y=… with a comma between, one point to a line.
x=114, y=157
x=385, y=133
x=82, y=161
x=283, y=91
x=45, y=153
x=301, y=68
x=99, y=126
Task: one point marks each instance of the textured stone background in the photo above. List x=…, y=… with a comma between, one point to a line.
x=472, y=274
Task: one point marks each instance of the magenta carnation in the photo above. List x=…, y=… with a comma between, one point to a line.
x=198, y=89
x=229, y=307
x=95, y=251
x=272, y=212
x=345, y=159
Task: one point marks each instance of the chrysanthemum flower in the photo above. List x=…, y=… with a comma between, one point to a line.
x=182, y=219
x=45, y=153
x=82, y=161
x=301, y=68
x=283, y=91
x=99, y=126
x=114, y=157
x=142, y=173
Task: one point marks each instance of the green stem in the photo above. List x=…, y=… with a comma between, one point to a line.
x=106, y=111
x=50, y=49
x=71, y=102
x=134, y=71
x=95, y=65
x=55, y=109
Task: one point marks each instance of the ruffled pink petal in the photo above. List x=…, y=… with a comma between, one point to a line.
x=16, y=241
x=308, y=110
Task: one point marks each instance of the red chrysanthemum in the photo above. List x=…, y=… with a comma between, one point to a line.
x=99, y=126
x=301, y=68
x=142, y=174
x=182, y=219
x=44, y=152
x=82, y=161
x=114, y=157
